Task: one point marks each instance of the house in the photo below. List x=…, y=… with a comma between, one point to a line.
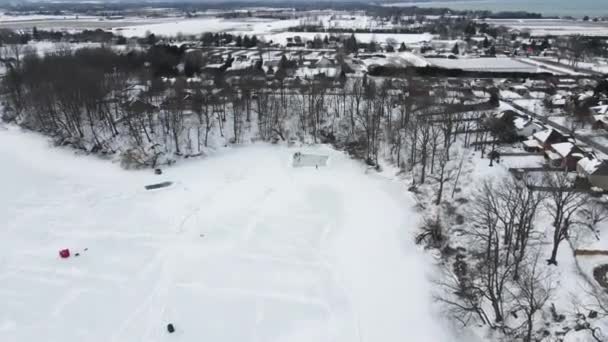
x=595, y=170
x=564, y=154
x=519, y=89
x=549, y=137
x=557, y=101
x=567, y=84
x=532, y=145
x=295, y=41
x=599, y=122
x=525, y=126
x=324, y=62
x=538, y=85
x=599, y=110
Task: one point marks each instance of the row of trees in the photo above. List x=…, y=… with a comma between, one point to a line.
x=501, y=281
x=141, y=96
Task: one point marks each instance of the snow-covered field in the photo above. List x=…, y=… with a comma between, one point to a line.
x=242, y=247
x=15, y=18
x=399, y=59
x=555, y=27
x=556, y=69
x=199, y=25
x=498, y=64
x=598, y=67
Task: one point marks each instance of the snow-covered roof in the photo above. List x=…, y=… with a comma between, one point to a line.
x=589, y=165
x=600, y=109
x=542, y=135
x=585, y=95
x=531, y=143
x=578, y=155
x=558, y=101
x=324, y=62
x=520, y=123
x=537, y=83
x=601, y=117
x=552, y=155
x=214, y=65
x=563, y=149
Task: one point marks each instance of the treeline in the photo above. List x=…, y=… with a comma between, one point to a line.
x=432, y=71
x=141, y=105
x=320, y=28
x=62, y=91
x=222, y=39
x=70, y=8
x=8, y=37
x=510, y=15
x=449, y=27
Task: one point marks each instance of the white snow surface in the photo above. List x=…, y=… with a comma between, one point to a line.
x=199, y=25
x=242, y=247
x=484, y=64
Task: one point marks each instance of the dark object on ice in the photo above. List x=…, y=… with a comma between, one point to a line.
x=158, y=185
x=64, y=253
x=170, y=328
x=158, y=171
x=86, y=249
x=76, y=254
x=592, y=314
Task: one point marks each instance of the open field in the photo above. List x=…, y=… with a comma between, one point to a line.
x=262, y=253
x=541, y=27
x=484, y=64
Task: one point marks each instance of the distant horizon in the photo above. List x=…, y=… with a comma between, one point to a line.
x=580, y=8
x=547, y=8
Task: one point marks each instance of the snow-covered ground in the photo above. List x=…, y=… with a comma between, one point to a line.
x=399, y=59
x=554, y=27
x=14, y=18
x=559, y=70
x=242, y=247
x=498, y=64
x=598, y=67
x=199, y=25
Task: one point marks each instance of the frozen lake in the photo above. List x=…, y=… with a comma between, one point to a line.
x=242, y=247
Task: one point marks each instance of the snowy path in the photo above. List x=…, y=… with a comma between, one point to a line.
x=241, y=248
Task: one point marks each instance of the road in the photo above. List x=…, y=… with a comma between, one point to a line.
x=563, y=129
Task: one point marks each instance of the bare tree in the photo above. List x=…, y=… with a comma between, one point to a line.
x=563, y=204
x=592, y=215
x=532, y=291
x=445, y=174
x=431, y=232
x=493, y=272
x=458, y=292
